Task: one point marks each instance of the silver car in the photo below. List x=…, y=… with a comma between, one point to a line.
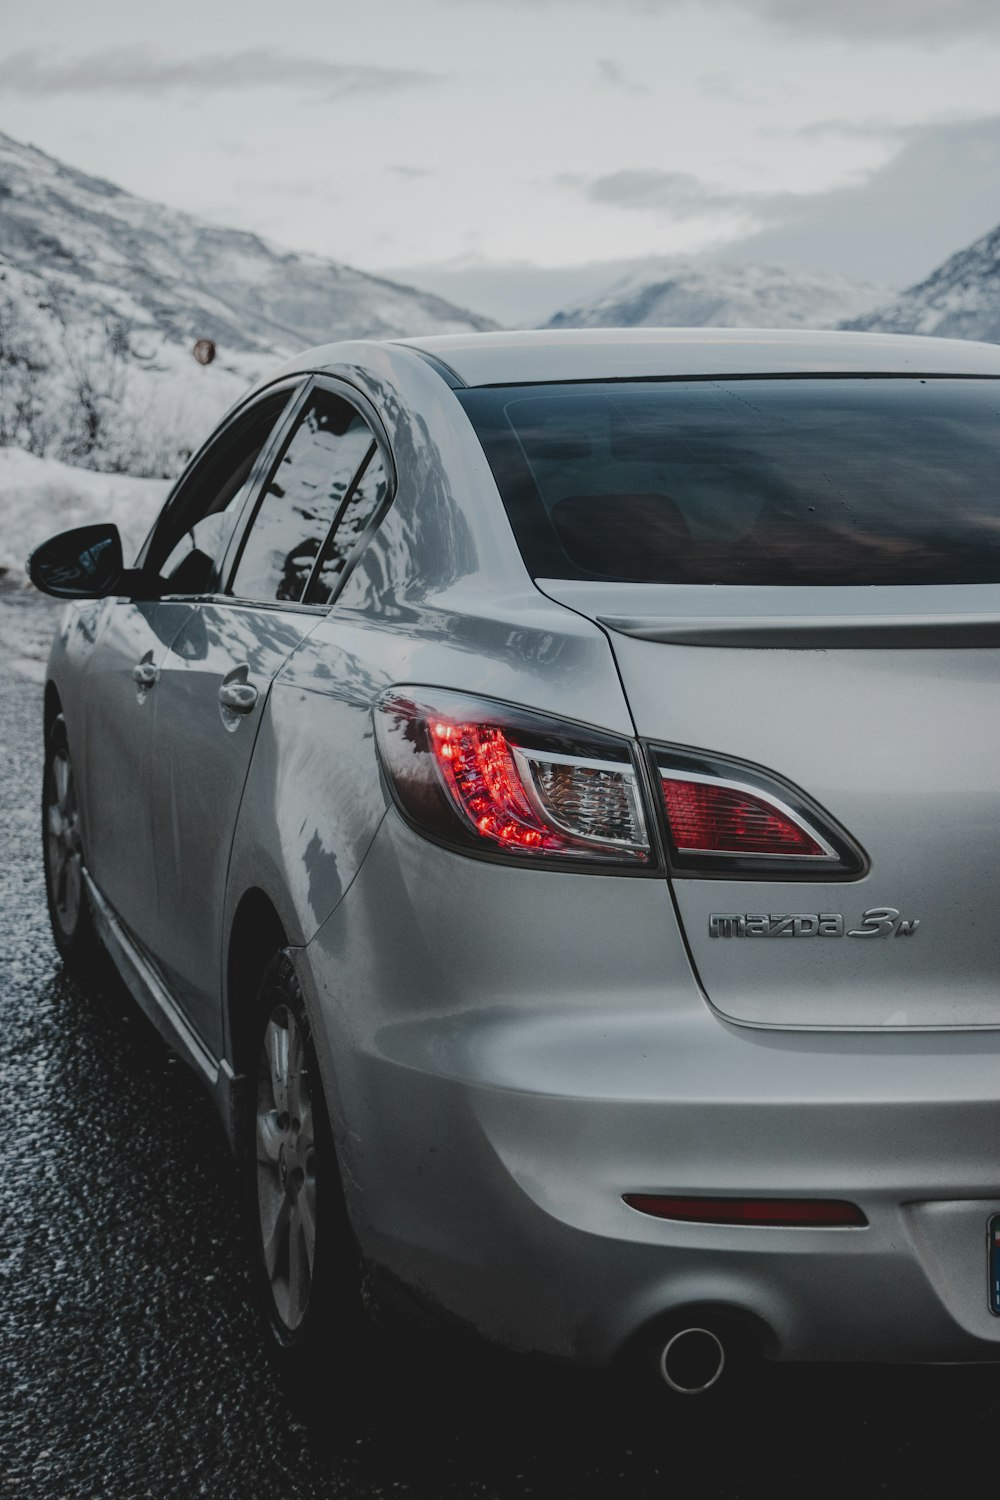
x=548, y=788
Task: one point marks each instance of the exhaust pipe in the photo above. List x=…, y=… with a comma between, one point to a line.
x=692, y=1361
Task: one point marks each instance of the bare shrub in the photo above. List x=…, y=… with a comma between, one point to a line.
x=96, y=374
x=26, y=418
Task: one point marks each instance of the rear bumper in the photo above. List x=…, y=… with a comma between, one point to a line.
x=510, y=1051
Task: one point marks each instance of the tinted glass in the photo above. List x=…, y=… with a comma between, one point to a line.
x=307, y=489
x=191, y=566
x=808, y=481
x=361, y=503
x=188, y=543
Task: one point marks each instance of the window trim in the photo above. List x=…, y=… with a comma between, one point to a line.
x=345, y=391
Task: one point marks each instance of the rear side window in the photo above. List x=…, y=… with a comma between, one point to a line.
x=330, y=444
x=795, y=481
x=360, y=503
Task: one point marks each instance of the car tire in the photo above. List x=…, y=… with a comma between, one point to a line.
x=63, y=860
x=305, y=1262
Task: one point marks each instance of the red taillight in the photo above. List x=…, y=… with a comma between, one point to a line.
x=478, y=767
x=475, y=774
x=710, y=817
x=805, y=1213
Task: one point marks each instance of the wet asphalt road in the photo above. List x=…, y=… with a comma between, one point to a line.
x=129, y=1361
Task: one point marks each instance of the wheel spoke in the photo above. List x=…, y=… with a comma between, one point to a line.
x=54, y=821
x=74, y=883
x=269, y=1138
x=298, y=1082
x=274, y=1240
x=57, y=865
x=276, y=1048
x=307, y=1138
x=60, y=772
x=298, y=1269
x=294, y=1047
x=307, y=1218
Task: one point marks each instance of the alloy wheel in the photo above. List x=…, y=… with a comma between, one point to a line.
x=286, y=1167
x=65, y=850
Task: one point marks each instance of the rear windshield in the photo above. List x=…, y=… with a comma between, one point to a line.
x=795, y=481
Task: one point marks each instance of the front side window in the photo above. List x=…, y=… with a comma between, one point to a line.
x=189, y=541
x=853, y=480
x=315, y=476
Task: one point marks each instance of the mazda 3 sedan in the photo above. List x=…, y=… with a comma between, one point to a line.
x=548, y=787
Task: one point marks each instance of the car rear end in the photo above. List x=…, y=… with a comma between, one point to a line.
x=708, y=1034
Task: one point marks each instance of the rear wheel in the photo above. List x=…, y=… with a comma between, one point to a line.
x=63, y=858
x=305, y=1261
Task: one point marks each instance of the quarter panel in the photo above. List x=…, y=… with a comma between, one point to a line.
x=441, y=598
x=314, y=797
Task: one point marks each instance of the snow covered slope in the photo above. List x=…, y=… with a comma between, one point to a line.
x=707, y=294
x=961, y=299
x=40, y=496
x=102, y=296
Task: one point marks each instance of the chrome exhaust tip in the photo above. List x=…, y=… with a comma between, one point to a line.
x=692, y=1361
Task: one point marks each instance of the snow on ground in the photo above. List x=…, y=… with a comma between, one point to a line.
x=40, y=496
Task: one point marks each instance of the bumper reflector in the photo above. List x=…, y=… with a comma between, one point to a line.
x=804, y=1213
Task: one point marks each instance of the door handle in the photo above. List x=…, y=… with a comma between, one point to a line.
x=238, y=697
x=145, y=673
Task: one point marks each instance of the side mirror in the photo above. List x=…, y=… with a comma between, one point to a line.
x=85, y=563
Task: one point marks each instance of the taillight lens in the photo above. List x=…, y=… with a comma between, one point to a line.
x=487, y=777
x=728, y=818
x=710, y=817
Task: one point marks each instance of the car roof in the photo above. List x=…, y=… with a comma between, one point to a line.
x=524, y=358
x=633, y=353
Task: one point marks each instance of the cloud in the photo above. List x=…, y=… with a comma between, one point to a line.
x=890, y=20
x=409, y=173
x=608, y=71
x=676, y=194
x=939, y=191
x=150, y=71
x=725, y=86
x=874, y=20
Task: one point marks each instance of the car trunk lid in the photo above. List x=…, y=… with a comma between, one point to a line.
x=881, y=705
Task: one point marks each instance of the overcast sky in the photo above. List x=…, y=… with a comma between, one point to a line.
x=517, y=153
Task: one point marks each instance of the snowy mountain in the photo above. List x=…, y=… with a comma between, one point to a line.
x=103, y=295
x=708, y=294
x=961, y=299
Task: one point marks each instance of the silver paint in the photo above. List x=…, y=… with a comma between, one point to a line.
x=506, y=1051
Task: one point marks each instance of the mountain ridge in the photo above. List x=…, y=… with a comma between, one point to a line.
x=100, y=288
x=690, y=293
x=959, y=299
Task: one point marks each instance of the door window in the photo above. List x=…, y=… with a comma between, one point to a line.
x=314, y=481
x=189, y=541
